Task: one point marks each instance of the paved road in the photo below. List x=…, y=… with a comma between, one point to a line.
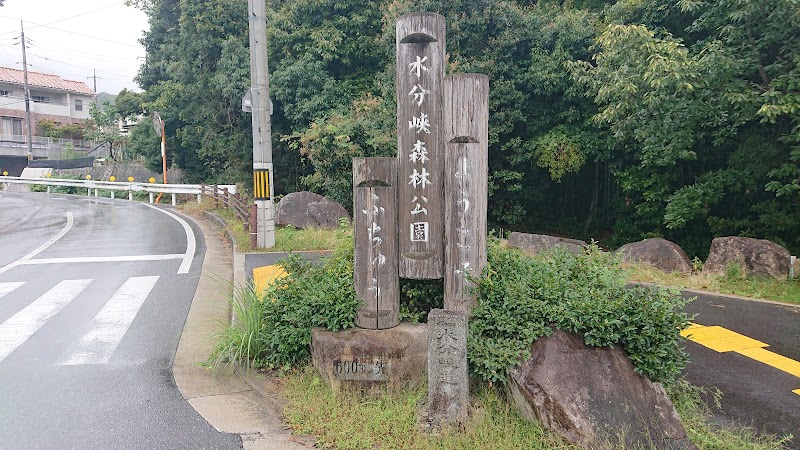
x=93, y=297
x=751, y=352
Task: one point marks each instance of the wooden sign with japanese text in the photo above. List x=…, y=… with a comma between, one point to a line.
x=420, y=70
x=375, y=232
x=466, y=132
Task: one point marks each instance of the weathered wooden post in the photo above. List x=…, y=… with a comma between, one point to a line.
x=420, y=44
x=375, y=231
x=466, y=132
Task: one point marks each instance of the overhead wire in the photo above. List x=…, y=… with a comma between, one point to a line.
x=61, y=20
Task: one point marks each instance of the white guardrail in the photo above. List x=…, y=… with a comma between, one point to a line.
x=113, y=186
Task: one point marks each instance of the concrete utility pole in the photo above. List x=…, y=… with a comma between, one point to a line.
x=27, y=92
x=262, y=134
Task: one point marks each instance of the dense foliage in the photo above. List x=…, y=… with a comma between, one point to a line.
x=312, y=295
x=611, y=119
x=521, y=298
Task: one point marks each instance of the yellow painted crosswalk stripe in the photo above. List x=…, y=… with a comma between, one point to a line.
x=723, y=340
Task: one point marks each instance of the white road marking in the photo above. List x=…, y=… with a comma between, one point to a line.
x=21, y=326
x=43, y=247
x=191, y=244
x=110, y=324
x=5, y=288
x=102, y=259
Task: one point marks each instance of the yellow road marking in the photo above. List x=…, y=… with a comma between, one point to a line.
x=264, y=276
x=723, y=340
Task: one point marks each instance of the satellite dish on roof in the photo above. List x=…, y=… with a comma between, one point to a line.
x=158, y=124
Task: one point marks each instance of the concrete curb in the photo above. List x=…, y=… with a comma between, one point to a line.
x=229, y=399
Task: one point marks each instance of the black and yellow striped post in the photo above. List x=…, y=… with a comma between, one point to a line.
x=261, y=184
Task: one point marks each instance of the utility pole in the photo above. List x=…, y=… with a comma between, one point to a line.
x=262, y=133
x=27, y=92
x=94, y=77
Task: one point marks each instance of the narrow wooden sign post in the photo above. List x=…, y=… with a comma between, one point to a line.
x=420, y=44
x=466, y=132
x=375, y=231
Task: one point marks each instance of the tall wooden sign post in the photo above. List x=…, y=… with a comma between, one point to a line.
x=420, y=142
x=423, y=215
x=466, y=133
x=375, y=261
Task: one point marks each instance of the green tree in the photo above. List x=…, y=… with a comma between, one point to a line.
x=103, y=127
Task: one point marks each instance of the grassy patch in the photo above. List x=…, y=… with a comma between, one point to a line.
x=287, y=239
x=348, y=420
x=290, y=239
x=764, y=288
x=696, y=418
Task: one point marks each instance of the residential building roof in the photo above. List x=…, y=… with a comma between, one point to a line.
x=44, y=80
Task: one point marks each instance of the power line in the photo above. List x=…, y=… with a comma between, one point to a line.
x=47, y=46
x=82, y=67
x=77, y=34
x=66, y=18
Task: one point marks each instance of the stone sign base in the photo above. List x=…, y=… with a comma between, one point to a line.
x=374, y=360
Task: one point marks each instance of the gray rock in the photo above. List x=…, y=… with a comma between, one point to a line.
x=757, y=257
x=307, y=209
x=534, y=243
x=592, y=397
x=659, y=253
x=373, y=360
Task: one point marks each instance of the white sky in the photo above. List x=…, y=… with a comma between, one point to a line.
x=71, y=38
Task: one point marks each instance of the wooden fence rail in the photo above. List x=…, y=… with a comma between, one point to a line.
x=243, y=208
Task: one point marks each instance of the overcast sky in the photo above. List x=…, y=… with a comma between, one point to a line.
x=73, y=38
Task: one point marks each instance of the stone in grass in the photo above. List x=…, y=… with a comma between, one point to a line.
x=448, y=382
x=307, y=209
x=373, y=360
x=658, y=252
x=592, y=397
x=756, y=257
x=535, y=243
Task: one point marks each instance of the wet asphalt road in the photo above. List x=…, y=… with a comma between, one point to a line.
x=755, y=393
x=89, y=325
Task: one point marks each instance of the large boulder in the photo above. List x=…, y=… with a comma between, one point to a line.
x=592, y=397
x=757, y=257
x=372, y=360
x=307, y=209
x=658, y=252
x=535, y=243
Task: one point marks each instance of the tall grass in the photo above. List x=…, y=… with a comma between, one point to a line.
x=732, y=282
x=350, y=420
x=240, y=341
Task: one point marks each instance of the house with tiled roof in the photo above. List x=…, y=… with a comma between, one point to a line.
x=52, y=97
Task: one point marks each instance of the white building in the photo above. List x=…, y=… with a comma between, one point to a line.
x=52, y=98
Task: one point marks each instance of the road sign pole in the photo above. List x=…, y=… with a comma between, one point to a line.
x=262, y=134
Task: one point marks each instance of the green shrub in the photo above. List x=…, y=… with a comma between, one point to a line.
x=521, y=298
x=312, y=295
x=418, y=297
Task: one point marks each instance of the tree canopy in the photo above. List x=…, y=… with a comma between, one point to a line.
x=617, y=120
